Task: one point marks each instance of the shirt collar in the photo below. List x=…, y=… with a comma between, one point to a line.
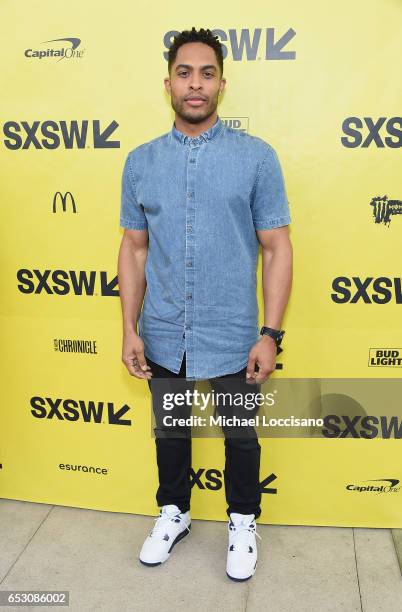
x=204, y=137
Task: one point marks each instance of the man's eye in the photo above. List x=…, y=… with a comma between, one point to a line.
x=182, y=73
x=208, y=73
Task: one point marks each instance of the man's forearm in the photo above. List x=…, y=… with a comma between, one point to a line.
x=132, y=282
x=277, y=270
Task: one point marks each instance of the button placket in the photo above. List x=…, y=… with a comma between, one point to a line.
x=194, y=147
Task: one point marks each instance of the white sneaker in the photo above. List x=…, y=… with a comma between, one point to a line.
x=170, y=527
x=242, y=547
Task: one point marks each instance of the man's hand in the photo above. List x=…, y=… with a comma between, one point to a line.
x=263, y=353
x=133, y=355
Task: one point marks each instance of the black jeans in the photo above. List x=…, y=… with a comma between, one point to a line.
x=173, y=449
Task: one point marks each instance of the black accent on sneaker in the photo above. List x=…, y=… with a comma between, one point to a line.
x=231, y=547
x=239, y=579
x=250, y=548
x=151, y=564
x=180, y=536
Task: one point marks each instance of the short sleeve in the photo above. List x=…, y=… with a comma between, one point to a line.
x=132, y=214
x=269, y=202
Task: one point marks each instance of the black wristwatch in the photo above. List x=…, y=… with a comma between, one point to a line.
x=276, y=334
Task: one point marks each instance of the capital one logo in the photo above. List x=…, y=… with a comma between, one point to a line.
x=62, y=51
x=381, y=132
x=59, y=134
x=249, y=45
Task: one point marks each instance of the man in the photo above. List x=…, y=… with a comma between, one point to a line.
x=196, y=204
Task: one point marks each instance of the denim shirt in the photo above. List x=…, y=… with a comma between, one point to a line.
x=202, y=200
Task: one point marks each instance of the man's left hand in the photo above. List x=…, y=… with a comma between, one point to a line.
x=263, y=353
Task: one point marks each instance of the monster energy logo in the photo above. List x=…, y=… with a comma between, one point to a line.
x=383, y=209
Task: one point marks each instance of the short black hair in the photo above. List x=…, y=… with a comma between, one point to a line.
x=204, y=36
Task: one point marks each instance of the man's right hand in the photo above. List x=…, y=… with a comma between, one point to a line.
x=133, y=355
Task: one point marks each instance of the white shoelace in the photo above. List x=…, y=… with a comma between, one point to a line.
x=240, y=536
x=162, y=521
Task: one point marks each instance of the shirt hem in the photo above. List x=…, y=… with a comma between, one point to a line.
x=261, y=225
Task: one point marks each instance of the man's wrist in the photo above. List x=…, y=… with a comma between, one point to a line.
x=130, y=328
x=275, y=334
x=267, y=340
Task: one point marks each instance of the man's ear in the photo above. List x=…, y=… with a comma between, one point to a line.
x=167, y=84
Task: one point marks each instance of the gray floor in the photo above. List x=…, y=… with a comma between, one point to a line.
x=93, y=555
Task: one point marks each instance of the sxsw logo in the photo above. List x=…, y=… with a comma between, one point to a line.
x=367, y=427
x=384, y=209
x=366, y=132
x=212, y=479
x=381, y=290
x=64, y=282
x=249, y=45
x=79, y=410
x=59, y=134
x=60, y=51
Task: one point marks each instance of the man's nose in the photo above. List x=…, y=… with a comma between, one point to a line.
x=195, y=82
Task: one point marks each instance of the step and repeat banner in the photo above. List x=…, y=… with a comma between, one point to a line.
x=82, y=85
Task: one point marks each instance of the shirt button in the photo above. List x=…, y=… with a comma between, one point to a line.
x=189, y=296
x=187, y=326
x=192, y=161
x=189, y=264
x=190, y=194
x=189, y=228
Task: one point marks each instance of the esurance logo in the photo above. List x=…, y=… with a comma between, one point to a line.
x=392, y=487
x=384, y=209
x=88, y=411
x=59, y=134
x=65, y=48
x=371, y=132
x=64, y=282
x=381, y=290
x=249, y=45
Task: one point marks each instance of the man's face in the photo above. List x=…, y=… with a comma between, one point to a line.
x=195, y=82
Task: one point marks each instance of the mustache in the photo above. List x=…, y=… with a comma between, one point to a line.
x=195, y=97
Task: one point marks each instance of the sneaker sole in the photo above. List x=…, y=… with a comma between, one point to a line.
x=242, y=579
x=177, y=539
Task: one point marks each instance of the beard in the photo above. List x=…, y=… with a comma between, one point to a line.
x=194, y=115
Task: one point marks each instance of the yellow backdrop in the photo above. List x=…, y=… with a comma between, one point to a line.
x=82, y=84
